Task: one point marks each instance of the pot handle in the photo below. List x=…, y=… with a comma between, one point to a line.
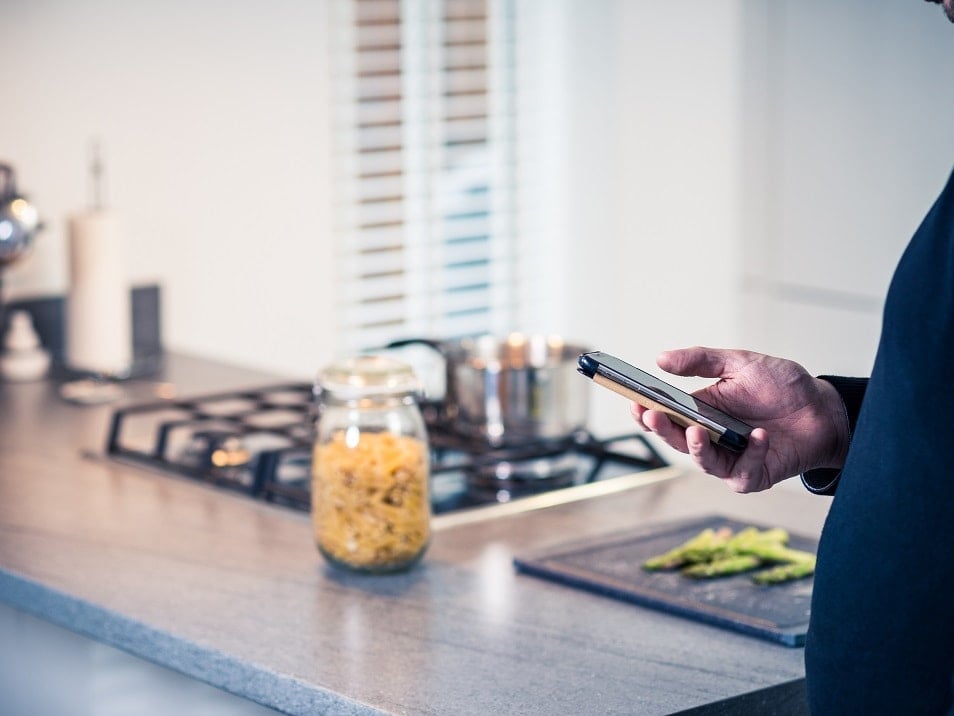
x=440, y=346
x=444, y=349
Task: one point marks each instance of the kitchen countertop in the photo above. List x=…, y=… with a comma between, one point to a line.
x=231, y=591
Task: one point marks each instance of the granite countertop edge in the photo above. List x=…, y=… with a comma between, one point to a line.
x=207, y=664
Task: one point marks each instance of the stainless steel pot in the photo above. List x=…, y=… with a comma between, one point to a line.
x=511, y=390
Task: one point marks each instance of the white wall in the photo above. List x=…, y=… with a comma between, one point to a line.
x=652, y=245
x=712, y=170
x=848, y=109
x=213, y=117
x=748, y=173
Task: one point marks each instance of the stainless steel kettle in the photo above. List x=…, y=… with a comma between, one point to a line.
x=19, y=219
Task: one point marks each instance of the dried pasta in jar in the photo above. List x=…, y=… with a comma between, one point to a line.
x=370, y=500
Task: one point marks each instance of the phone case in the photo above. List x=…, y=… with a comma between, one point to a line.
x=728, y=438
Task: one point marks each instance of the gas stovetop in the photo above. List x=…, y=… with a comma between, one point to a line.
x=259, y=442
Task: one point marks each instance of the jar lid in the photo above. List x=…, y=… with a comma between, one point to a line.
x=366, y=376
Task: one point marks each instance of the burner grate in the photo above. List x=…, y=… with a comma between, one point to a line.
x=259, y=441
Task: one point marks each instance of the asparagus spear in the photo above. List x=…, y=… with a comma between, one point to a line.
x=784, y=572
x=722, y=567
x=714, y=553
x=752, y=536
x=769, y=545
x=698, y=549
x=781, y=555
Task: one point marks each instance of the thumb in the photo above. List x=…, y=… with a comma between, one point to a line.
x=701, y=361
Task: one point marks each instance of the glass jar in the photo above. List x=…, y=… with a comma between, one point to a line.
x=370, y=469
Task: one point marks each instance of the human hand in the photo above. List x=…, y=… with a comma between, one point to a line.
x=799, y=420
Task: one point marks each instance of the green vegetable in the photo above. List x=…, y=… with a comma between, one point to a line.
x=719, y=553
x=700, y=548
x=722, y=566
x=784, y=573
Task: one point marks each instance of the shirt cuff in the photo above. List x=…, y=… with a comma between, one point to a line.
x=824, y=481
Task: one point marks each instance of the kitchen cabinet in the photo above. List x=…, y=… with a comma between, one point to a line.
x=846, y=147
x=230, y=591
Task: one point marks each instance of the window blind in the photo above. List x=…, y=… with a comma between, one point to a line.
x=424, y=139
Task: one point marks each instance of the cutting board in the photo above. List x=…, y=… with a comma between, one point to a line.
x=612, y=566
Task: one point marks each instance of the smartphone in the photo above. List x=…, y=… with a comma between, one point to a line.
x=650, y=392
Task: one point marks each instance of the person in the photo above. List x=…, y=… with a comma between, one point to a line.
x=881, y=632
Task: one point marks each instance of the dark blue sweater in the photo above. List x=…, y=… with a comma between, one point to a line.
x=881, y=639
